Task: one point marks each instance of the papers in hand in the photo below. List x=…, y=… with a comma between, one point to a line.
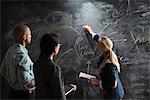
x=84, y=75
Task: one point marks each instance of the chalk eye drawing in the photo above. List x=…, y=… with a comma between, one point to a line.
x=58, y=17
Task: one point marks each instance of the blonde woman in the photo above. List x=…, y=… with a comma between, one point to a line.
x=109, y=68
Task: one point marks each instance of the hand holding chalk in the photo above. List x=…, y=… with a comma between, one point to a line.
x=87, y=29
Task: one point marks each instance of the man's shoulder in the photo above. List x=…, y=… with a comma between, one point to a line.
x=17, y=48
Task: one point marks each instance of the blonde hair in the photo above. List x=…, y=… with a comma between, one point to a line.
x=106, y=45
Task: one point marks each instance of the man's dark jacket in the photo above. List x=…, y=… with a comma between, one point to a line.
x=48, y=80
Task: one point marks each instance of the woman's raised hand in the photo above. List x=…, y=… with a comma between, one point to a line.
x=88, y=29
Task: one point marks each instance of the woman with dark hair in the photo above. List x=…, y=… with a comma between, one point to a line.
x=109, y=68
x=48, y=79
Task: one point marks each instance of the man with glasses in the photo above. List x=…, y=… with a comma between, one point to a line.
x=48, y=79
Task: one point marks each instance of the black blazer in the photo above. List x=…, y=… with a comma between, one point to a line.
x=48, y=80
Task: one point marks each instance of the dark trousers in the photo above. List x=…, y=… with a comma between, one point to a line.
x=20, y=94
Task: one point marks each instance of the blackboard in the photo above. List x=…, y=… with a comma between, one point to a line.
x=126, y=22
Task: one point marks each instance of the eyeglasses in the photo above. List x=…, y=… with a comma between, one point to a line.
x=59, y=44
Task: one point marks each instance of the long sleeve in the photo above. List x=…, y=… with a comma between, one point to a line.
x=53, y=79
x=96, y=37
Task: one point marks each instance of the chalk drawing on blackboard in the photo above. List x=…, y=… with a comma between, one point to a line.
x=61, y=57
x=59, y=18
x=84, y=50
x=136, y=34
